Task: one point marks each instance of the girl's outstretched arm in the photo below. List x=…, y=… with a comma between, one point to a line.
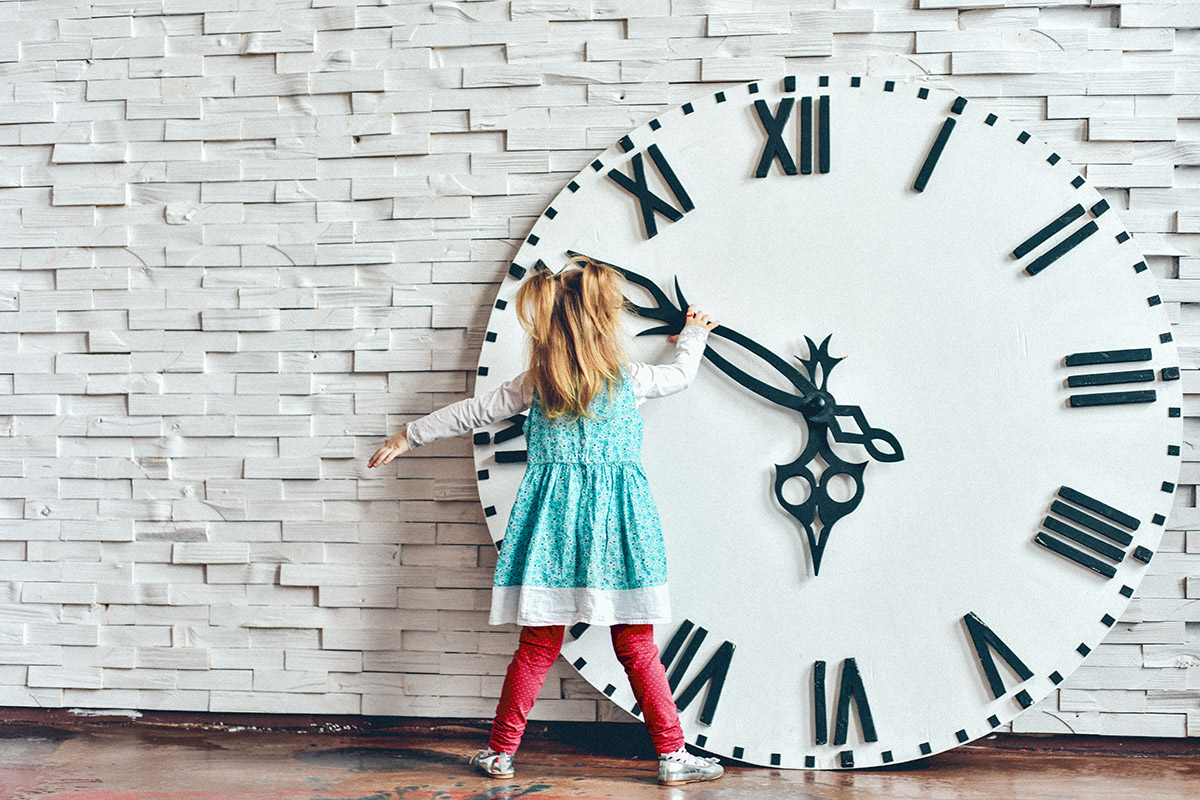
x=505, y=400
x=510, y=397
x=660, y=380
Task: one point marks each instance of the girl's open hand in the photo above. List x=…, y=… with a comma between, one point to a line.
x=700, y=319
x=395, y=446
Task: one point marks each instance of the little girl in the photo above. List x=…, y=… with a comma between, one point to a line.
x=583, y=542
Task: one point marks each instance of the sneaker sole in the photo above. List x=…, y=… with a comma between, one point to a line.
x=693, y=780
x=690, y=780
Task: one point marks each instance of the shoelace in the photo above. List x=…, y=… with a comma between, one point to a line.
x=684, y=757
x=487, y=753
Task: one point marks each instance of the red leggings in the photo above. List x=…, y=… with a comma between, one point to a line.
x=538, y=650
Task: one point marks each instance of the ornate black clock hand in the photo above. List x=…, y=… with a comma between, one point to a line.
x=819, y=501
x=817, y=406
x=819, y=358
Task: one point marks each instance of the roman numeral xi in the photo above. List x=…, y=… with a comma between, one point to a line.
x=647, y=200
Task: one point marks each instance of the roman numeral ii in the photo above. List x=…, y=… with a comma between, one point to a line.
x=1066, y=245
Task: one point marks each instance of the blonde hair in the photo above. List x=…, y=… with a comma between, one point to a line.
x=573, y=320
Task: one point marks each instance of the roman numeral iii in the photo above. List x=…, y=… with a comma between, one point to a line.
x=1080, y=527
x=1101, y=377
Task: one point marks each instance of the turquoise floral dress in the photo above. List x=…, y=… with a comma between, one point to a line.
x=584, y=541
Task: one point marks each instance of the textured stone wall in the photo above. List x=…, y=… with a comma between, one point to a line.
x=243, y=242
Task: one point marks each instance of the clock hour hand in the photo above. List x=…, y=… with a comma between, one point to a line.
x=817, y=406
x=867, y=436
x=819, y=360
x=664, y=311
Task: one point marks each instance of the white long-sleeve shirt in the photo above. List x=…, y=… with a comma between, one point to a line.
x=513, y=396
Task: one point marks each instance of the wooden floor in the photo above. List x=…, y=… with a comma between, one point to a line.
x=125, y=760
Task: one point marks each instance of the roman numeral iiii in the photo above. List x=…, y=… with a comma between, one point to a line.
x=1080, y=527
x=712, y=673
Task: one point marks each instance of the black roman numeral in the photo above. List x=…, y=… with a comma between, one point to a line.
x=850, y=688
x=1097, y=549
x=517, y=428
x=713, y=672
x=776, y=148
x=984, y=638
x=1111, y=378
x=939, y=144
x=648, y=201
x=1066, y=245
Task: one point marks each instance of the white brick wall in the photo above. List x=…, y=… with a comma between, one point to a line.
x=243, y=242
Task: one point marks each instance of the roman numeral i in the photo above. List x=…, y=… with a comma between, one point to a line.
x=939, y=144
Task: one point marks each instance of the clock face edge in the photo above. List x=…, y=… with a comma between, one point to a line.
x=495, y=521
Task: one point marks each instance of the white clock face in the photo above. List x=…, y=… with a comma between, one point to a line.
x=959, y=583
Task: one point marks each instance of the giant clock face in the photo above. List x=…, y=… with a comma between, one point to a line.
x=931, y=447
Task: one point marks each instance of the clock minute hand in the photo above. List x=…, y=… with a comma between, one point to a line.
x=666, y=311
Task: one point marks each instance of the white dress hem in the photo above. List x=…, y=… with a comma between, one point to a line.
x=566, y=605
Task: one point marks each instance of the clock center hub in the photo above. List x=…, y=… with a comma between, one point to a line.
x=818, y=406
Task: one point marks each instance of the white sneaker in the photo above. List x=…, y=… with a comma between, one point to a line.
x=683, y=767
x=493, y=764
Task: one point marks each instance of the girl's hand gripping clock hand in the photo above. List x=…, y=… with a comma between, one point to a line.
x=395, y=446
x=700, y=319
